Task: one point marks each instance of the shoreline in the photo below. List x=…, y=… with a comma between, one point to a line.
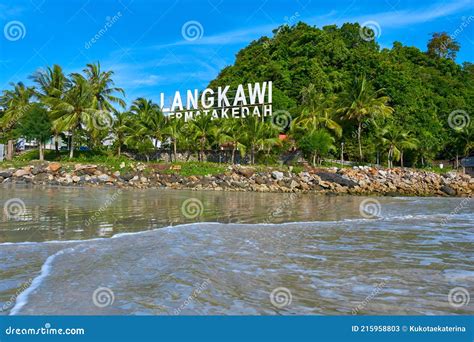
x=358, y=180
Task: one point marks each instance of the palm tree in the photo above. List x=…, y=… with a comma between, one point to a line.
x=16, y=103
x=76, y=108
x=51, y=83
x=232, y=133
x=200, y=128
x=397, y=140
x=268, y=142
x=318, y=111
x=121, y=128
x=104, y=88
x=173, y=130
x=259, y=135
x=360, y=102
x=464, y=141
x=317, y=144
x=150, y=120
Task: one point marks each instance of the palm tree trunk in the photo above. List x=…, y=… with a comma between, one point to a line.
x=401, y=158
x=359, y=133
x=119, y=150
x=314, y=159
x=71, y=148
x=56, y=144
x=9, y=150
x=175, y=154
x=201, y=151
x=41, y=151
x=390, y=155
x=233, y=154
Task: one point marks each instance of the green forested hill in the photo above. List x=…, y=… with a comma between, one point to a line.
x=423, y=87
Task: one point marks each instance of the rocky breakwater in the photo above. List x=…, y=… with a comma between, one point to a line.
x=356, y=180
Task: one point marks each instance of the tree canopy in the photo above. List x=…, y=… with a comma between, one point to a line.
x=423, y=88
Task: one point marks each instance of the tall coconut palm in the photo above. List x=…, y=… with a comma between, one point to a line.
x=200, y=128
x=259, y=135
x=51, y=83
x=16, y=103
x=150, y=120
x=464, y=141
x=360, y=102
x=104, y=91
x=103, y=88
x=317, y=144
x=121, y=128
x=317, y=111
x=75, y=109
x=232, y=134
x=173, y=131
x=397, y=140
x=268, y=142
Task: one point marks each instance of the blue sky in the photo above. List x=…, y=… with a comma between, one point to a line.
x=146, y=46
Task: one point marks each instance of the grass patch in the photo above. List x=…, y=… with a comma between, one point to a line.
x=438, y=170
x=197, y=169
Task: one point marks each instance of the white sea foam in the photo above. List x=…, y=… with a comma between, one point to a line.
x=22, y=299
x=197, y=224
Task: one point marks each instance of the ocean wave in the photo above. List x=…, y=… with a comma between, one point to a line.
x=430, y=217
x=22, y=299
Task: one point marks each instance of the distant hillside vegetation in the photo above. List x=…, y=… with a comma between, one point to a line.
x=423, y=87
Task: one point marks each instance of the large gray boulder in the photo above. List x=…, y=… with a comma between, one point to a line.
x=336, y=178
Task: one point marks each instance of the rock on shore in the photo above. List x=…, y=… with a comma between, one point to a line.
x=357, y=180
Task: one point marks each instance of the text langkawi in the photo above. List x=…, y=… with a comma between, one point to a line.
x=253, y=99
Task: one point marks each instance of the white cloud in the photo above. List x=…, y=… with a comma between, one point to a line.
x=403, y=18
x=149, y=80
